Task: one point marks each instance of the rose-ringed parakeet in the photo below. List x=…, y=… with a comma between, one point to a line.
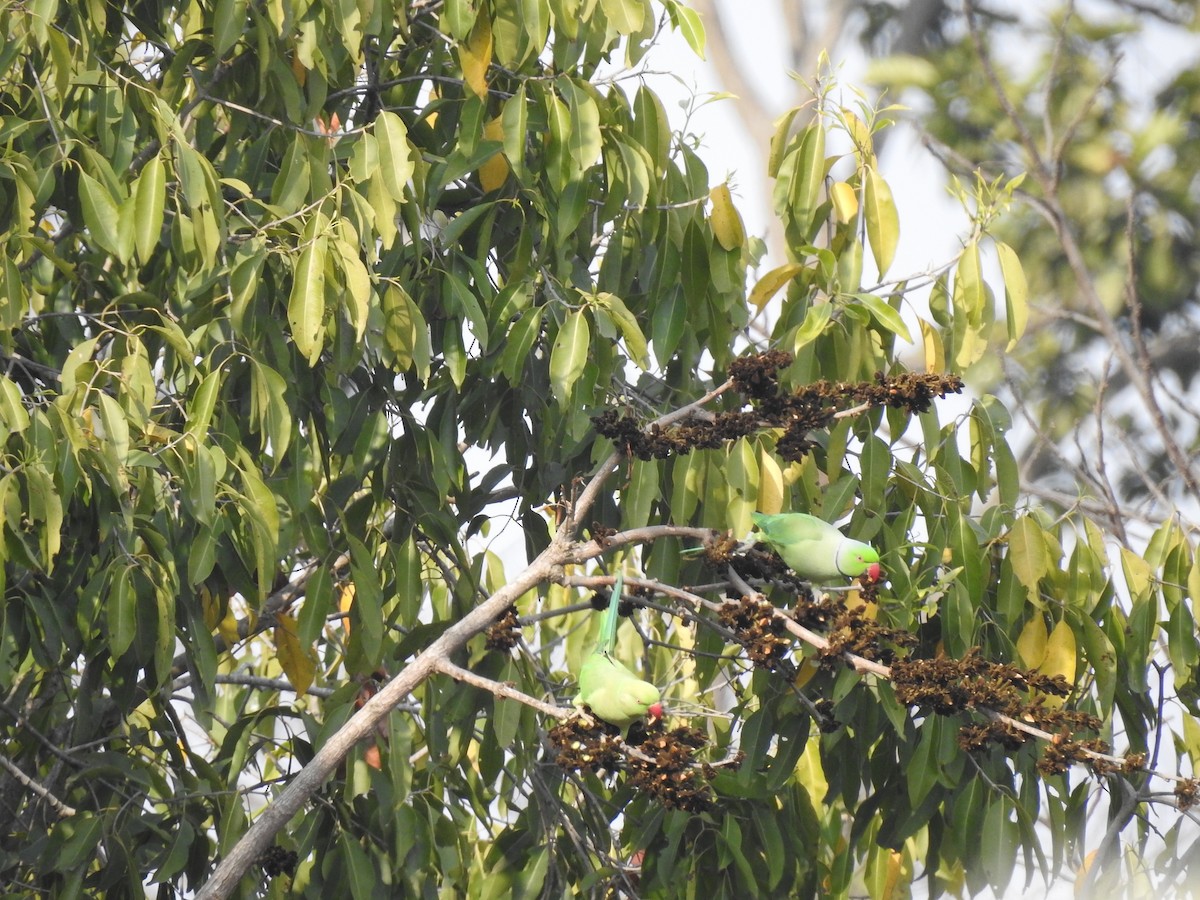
x=816, y=550
x=606, y=687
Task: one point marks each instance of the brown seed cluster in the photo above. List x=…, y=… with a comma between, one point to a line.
x=807, y=409
x=1187, y=794
x=276, y=861
x=674, y=777
x=851, y=631
x=664, y=765
x=503, y=634
x=949, y=686
x=758, y=629
x=1062, y=752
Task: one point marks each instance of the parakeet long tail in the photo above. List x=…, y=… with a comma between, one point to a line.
x=608, y=628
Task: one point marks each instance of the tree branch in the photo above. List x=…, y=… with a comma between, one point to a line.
x=64, y=811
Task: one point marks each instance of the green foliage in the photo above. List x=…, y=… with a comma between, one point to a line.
x=278, y=276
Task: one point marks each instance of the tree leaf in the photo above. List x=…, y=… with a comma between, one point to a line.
x=1016, y=293
x=1031, y=643
x=395, y=159
x=100, y=212
x=475, y=56
x=150, y=199
x=306, y=304
x=569, y=354
x=883, y=313
x=883, y=222
x=768, y=286
x=295, y=658
x=1028, y=554
x=726, y=223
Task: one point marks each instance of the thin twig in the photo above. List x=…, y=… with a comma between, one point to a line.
x=64, y=811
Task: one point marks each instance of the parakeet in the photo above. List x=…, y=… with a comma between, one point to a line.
x=816, y=550
x=610, y=690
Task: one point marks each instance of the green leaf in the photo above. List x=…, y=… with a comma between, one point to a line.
x=809, y=177
x=1028, y=554
x=203, y=403
x=306, y=305
x=150, y=199
x=1016, y=292
x=883, y=313
x=395, y=159
x=883, y=222
x=635, y=341
x=584, y=142
x=120, y=610
x=100, y=212
x=519, y=343
x=229, y=21
x=12, y=408
x=569, y=354
x=405, y=332
x=688, y=22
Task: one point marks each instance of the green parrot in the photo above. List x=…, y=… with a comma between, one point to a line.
x=610, y=690
x=816, y=550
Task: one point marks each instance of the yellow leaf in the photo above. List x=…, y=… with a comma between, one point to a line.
x=883, y=221
x=845, y=201
x=935, y=351
x=476, y=55
x=726, y=223
x=1060, y=658
x=345, y=601
x=770, y=486
x=805, y=672
x=1031, y=645
x=1081, y=879
x=296, y=660
x=864, y=147
x=770, y=283
x=494, y=172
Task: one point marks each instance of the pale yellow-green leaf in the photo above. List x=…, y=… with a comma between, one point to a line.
x=395, y=158
x=690, y=25
x=864, y=146
x=494, y=171
x=1028, y=554
x=150, y=197
x=569, y=354
x=935, y=351
x=635, y=340
x=726, y=222
x=475, y=55
x=306, y=304
x=845, y=201
x=1031, y=643
x=1139, y=577
x=970, y=297
x=1016, y=292
x=883, y=221
x=1060, y=658
x=813, y=326
x=358, y=284
x=883, y=313
x=296, y=660
x=770, y=283
x=770, y=483
x=779, y=140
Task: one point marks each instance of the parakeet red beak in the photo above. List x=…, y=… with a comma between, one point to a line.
x=874, y=572
x=655, y=710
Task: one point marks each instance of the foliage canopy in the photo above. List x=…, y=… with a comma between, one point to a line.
x=278, y=276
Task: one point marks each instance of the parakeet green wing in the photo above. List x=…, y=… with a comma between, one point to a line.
x=814, y=549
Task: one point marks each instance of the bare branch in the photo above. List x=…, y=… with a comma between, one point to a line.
x=64, y=811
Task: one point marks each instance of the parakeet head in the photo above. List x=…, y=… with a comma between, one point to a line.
x=647, y=696
x=855, y=558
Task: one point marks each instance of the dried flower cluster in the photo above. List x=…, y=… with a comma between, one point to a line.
x=758, y=629
x=664, y=766
x=505, y=632
x=276, y=861
x=810, y=408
